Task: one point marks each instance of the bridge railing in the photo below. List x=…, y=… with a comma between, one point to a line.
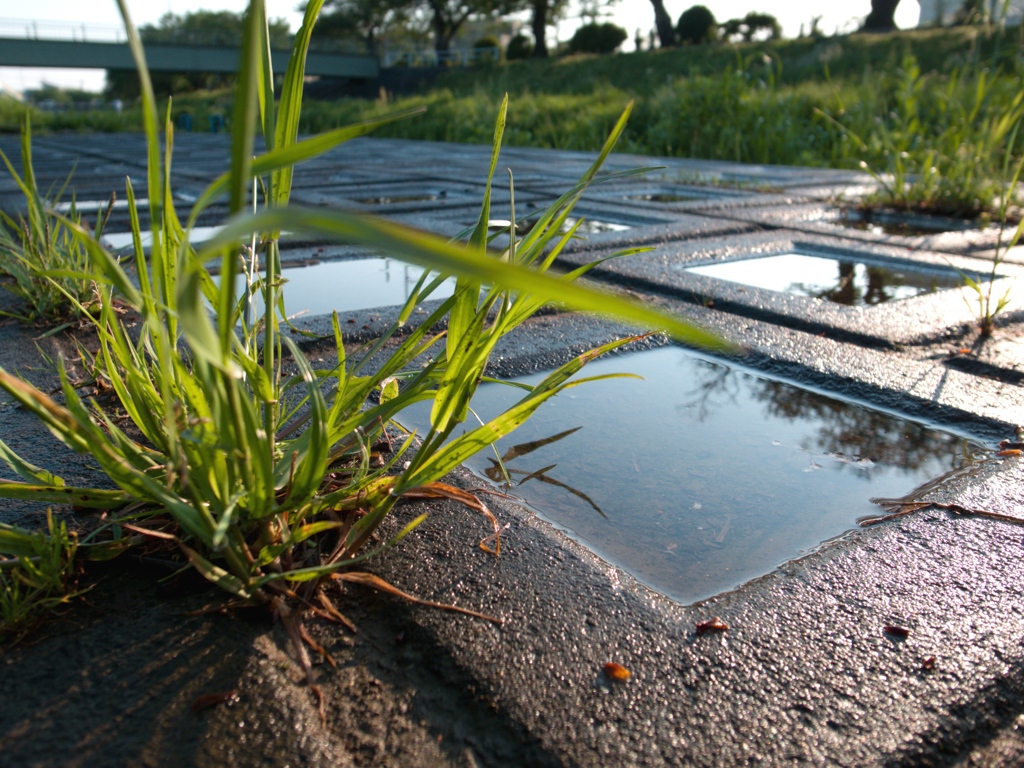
x=112, y=33
x=59, y=30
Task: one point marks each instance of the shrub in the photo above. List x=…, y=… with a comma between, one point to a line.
x=487, y=41
x=697, y=25
x=519, y=47
x=487, y=49
x=597, y=38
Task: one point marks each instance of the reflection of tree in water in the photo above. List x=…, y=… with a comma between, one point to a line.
x=880, y=286
x=858, y=432
x=716, y=386
x=500, y=472
x=846, y=291
x=843, y=429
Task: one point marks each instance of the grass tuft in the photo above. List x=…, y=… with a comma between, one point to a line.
x=270, y=477
x=47, y=265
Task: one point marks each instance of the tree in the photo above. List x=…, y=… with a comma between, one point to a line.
x=597, y=38
x=882, y=17
x=447, y=16
x=697, y=25
x=364, y=20
x=221, y=29
x=971, y=12
x=758, y=22
x=543, y=13
x=216, y=28
x=731, y=29
x=750, y=25
x=663, y=23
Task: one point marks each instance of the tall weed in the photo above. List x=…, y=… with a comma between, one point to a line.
x=268, y=475
x=39, y=251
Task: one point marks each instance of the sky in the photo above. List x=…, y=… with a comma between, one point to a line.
x=843, y=15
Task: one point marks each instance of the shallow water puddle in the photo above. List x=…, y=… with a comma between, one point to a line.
x=392, y=199
x=118, y=240
x=850, y=281
x=704, y=475
x=665, y=197
x=588, y=226
x=92, y=206
x=902, y=225
x=348, y=285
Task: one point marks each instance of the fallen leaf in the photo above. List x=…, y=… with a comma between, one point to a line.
x=896, y=631
x=711, y=625
x=617, y=672
x=928, y=664
x=213, y=699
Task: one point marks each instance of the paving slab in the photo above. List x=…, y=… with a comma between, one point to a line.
x=806, y=672
x=904, y=322
x=925, y=233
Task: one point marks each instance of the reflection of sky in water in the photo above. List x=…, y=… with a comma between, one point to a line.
x=349, y=285
x=841, y=281
x=703, y=476
x=118, y=240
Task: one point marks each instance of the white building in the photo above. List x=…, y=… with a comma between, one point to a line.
x=933, y=10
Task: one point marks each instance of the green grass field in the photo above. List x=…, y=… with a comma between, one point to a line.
x=906, y=103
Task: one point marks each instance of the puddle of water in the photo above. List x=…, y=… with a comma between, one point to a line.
x=589, y=226
x=902, y=230
x=118, y=240
x=840, y=280
x=705, y=476
x=386, y=200
x=893, y=224
x=349, y=285
x=665, y=198
x=92, y=206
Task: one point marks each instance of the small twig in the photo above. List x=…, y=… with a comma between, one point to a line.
x=320, y=704
x=220, y=608
x=369, y=580
x=304, y=633
x=438, y=490
x=332, y=613
x=901, y=508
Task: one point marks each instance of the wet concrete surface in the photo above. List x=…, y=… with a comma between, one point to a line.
x=805, y=674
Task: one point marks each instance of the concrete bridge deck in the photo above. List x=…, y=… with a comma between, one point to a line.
x=22, y=52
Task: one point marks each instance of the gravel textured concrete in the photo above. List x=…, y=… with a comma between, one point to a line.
x=806, y=672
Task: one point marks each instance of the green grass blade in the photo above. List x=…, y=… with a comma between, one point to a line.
x=434, y=253
x=92, y=498
x=26, y=469
x=287, y=128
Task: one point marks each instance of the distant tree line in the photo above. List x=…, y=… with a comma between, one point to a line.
x=221, y=29
x=413, y=24
x=698, y=25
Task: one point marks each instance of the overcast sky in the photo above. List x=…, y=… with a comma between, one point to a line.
x=631, y=14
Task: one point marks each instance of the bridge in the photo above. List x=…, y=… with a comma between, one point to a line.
x=79, y=46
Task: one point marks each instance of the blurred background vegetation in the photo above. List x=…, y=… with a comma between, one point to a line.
x=731, y=90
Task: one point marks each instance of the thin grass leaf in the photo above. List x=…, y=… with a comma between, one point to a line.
x=26, y=469
x=434, y=253
x=216, y=574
